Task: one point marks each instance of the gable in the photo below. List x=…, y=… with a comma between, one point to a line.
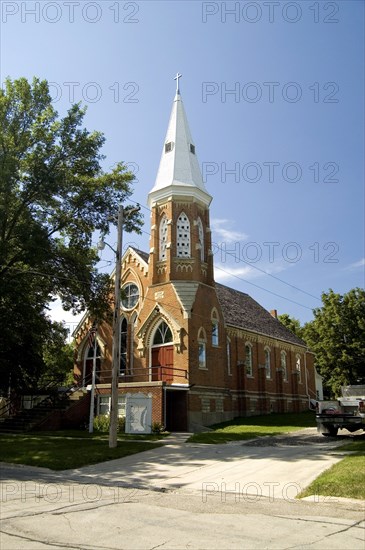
x=137, y=257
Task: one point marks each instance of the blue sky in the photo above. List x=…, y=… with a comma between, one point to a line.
x=274, y=97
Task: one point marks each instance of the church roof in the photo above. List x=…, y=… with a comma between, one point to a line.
x=242, y=311
x=144, y=255
x=179, y=170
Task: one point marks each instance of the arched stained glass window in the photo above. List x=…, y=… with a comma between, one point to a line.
x=163, y=334
x=229, y=356
x=283, y=365
x=298, y=366
x=248, y=362
x=268, y=362
x=215, y=328
x=88, y=364
x=202, y=349
x=90, y=353
x=123, y=346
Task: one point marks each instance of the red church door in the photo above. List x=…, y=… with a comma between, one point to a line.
x=162, y=363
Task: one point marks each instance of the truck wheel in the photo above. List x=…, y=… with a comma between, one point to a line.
x=331, y=431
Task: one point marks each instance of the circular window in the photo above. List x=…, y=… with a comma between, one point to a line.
x=130, y=296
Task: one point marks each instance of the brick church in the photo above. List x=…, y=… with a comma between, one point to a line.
x=204, y=352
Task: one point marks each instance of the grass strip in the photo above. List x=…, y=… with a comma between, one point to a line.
x=344, y=479
x=63, y=453
x=255, y=426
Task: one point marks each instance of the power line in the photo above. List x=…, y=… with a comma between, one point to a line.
x=250, y=264
x=262, y=288
x=271, y=275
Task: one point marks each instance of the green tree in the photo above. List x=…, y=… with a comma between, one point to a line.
x=53, y=196
x=292, y=324
x=58, y=358
x=337, y=337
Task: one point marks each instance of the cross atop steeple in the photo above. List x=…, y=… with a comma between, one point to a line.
x=178, y=75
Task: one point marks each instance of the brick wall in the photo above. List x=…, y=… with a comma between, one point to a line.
x=155, y=389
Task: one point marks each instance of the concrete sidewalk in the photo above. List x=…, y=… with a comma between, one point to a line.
x=270, y=471
x=175, y=438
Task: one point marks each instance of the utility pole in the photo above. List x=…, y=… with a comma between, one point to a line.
x=113, y=428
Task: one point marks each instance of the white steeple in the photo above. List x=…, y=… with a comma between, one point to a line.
x=179, y=172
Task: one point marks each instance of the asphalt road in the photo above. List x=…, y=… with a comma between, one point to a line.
x=184, y=496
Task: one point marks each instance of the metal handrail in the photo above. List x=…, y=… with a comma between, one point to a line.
x=146, y=371
x=155, y=370
x=51, y=397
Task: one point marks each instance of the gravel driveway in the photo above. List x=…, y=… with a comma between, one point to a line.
x=308, y=436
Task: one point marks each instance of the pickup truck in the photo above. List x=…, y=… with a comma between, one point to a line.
x=347, y=412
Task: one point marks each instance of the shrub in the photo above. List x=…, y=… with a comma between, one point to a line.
x=121, y=424
x=157, y=428
x=101, y=423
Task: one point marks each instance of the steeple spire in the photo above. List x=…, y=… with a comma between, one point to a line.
x=179, y=172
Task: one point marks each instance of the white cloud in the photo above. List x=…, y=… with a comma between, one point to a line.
x=224, y=272
x=360, y=263
x=222, y=231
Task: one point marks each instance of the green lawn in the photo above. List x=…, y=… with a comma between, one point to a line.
x=255, y=426
x=344, y=479
x=69, y=449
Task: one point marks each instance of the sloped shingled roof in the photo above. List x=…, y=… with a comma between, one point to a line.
x=144, y=255
x=240, y=310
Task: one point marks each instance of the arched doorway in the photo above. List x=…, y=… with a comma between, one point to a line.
x=88, y=365
x=162, y=353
